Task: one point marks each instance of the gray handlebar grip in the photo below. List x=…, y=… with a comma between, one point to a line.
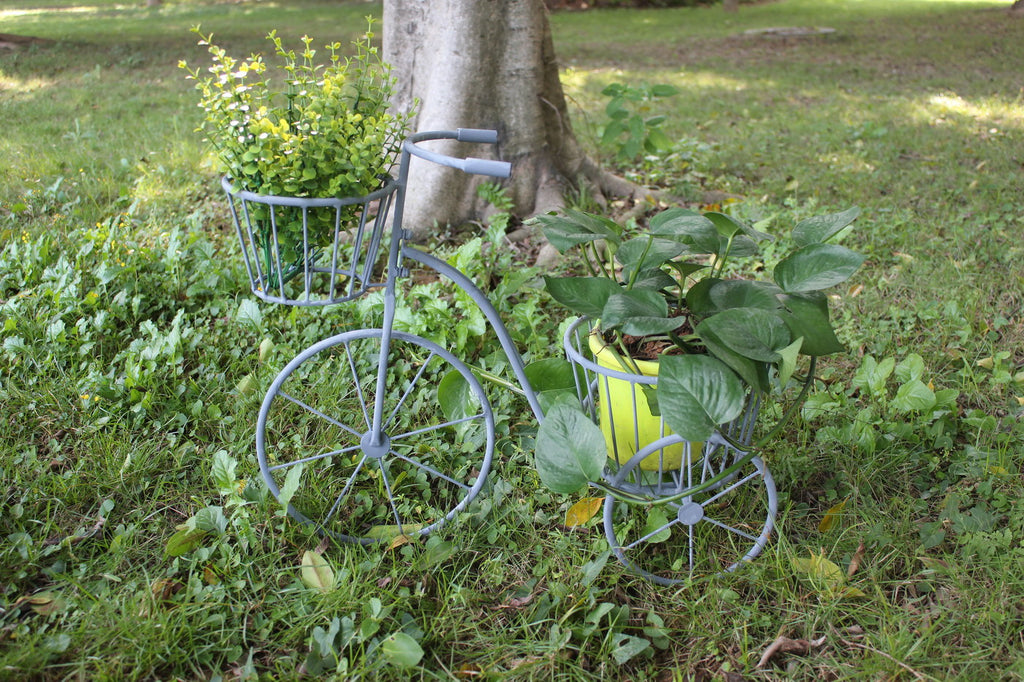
x=497, y=169
x=476, y=135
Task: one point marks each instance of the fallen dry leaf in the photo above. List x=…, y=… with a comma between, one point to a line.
x=583, y=511
x=858, y=556
x=785, y=645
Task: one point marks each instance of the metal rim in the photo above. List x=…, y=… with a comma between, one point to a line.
x=381, y=455
x=693, y=515
x=390, y=185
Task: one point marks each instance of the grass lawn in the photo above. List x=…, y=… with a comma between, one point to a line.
x=133, y=363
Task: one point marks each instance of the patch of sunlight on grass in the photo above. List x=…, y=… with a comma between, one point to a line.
x=707, y=79
x=26, y=12
x=967, y=3
x=23, y=85
x=846, y=161
x=575, y=80
x=1004, y=112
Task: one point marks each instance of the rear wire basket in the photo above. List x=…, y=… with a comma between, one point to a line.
x=311, y=252
x=630, y=427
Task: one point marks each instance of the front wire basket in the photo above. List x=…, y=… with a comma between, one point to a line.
x=311, y=252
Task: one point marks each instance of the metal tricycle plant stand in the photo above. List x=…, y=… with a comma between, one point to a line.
x=358, y=434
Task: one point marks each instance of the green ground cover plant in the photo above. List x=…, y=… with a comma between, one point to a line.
x=136, y=541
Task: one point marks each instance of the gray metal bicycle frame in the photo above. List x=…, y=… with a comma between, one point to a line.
x=400, y=250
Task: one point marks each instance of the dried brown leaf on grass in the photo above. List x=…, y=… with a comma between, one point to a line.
x=858, y=556
x=785, y=645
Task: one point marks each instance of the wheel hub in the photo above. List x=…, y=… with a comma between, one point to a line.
x=375, y=450
x=690, y=513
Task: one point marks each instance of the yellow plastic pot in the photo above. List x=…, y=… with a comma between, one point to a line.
x=615, y=407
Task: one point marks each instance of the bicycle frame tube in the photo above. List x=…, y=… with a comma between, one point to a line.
x=398, y=250
x=492, y=315
x=392, y=275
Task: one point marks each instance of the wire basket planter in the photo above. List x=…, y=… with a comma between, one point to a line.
x=712, y=505
x=621, y=402
x=311, y=252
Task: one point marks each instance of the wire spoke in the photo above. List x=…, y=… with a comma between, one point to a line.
x=706, y=470
x=409, y=390
x=318, y=413
x=345, y=491
x=725, y=491
x=313, y=458
x=435, y=427
x=391, y=496
x=691, y=551
x=359, y=386
x=650, y=535
x=731, y=529
x=430, y=470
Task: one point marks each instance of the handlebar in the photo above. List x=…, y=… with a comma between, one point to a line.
x=476, y=135
x=471, y=165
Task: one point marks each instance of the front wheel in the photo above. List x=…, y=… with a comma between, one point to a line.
x=318, y=451
x=727, y=522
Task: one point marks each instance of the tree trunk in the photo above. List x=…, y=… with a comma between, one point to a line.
x=485, y=64
x=731, y=5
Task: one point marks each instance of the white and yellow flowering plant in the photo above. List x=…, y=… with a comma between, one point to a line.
x=325, y=133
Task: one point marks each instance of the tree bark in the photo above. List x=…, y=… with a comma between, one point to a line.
x=731, y=5
x=485, y=64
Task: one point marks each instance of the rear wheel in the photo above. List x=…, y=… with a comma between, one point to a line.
x=704, y=533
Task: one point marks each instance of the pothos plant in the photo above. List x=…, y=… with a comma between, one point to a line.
x=323, y=132
x=722, y=332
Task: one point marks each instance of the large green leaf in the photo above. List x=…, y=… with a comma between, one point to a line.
x=787, y=364
x=614, y=129
x=728, y=226
x=647, y=252
x=655, y=280
x=401, y=650
x=685, y=268
x=317, y=572
x=185, y=540
x=820, y=229
x=571, y=450
x=815, y=267
x=698, y=298
x=688, y=227
x=657, y=140
x=553, y=381
x=741, y=293
x=456, y=398
x=806, y=315
x=698, y=393
x=223, y=472
x=211, y=518
x=754, y=373
x=914, y=396
x=742, y=247
x=577, y=227
x=640, y=312
x=550, y=374
x=664, y=90
x=753, y=333
x=582, y=295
